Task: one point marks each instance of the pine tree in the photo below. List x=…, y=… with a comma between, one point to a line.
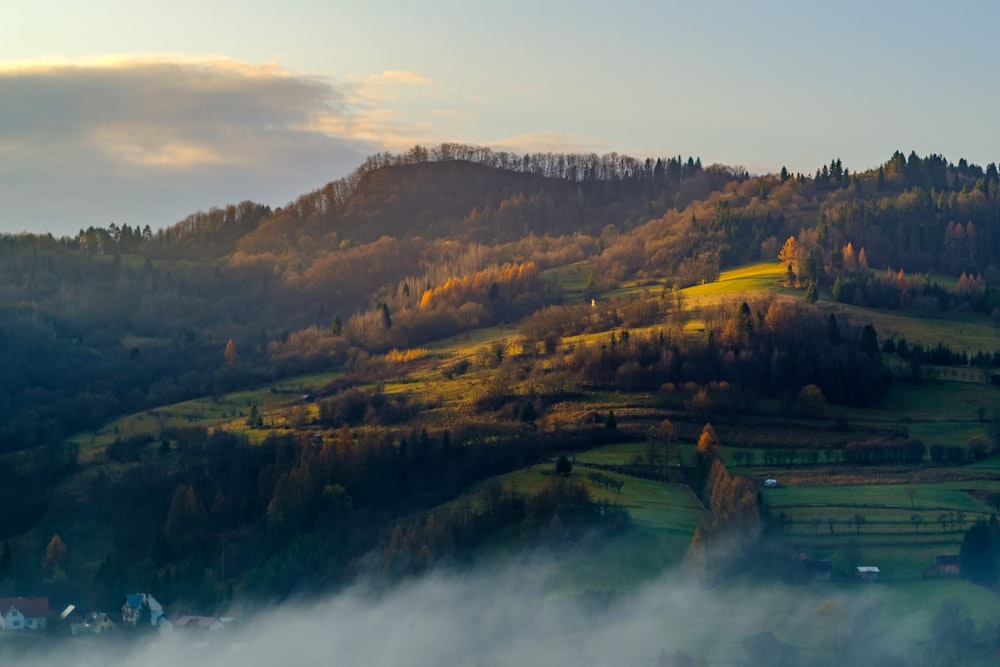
x=862, y=260
x=812, y=294
x=838, y=287
x=849, y=261
x=833, y=329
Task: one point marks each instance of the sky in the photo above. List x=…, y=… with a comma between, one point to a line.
x=140, y=113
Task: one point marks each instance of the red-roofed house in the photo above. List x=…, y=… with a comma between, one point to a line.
x=24, y=613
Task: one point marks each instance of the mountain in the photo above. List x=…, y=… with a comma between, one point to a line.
x=380, y=345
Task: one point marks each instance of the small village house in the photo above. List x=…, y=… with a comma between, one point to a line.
x=96, y=622
x=24, y=613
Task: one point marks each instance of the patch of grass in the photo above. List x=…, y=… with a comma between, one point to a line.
x=887, y=536
x=945, y=496
x=571, y=279
x=939, y=401
x=740, y=282
x=664, y=518
x=966, y=331
x=228, y=411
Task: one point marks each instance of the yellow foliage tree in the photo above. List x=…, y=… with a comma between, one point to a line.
x=708, y=442
x=791, y=253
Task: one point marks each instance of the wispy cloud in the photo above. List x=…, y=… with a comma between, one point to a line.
x=556, y=142
x=150, y=138
x=512, y=613
x=406, y=77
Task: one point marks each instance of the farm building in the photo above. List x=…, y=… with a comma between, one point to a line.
x=867, y=573
x=946, y=566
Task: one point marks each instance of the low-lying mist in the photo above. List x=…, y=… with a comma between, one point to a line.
x=511, y=613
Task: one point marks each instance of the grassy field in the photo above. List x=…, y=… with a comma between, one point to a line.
x=970, y=332
x=739, y=283
x=664, y=518
x=900, y=528
x=226, y=411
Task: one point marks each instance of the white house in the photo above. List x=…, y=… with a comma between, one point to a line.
x=24, y=613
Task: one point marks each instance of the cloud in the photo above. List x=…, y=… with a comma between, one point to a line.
x=513, y=613
x=148, y=139
x=405, y=77
x=555, y=142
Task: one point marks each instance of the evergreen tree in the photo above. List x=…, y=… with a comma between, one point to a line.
x=869, y=340
x=833, y=329
x=980, y=552
x=563, y=466
x=812, y=294
x=838, y=286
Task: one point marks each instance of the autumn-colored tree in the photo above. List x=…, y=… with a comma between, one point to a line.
x=231, y=355
x=791, y=254
x=850, y=261
x=183, y=512
x=708, y=442
x=54, y=560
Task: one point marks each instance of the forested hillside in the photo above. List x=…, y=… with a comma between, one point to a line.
x=358, y=279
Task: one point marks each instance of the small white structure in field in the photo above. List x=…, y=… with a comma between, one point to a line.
x=770, y=483
x=867, y=572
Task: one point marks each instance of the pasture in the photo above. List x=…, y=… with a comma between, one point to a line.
x=900, y=528
x=664, y=517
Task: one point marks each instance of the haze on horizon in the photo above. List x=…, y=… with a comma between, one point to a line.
x=512, y=612
x=119, y=113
